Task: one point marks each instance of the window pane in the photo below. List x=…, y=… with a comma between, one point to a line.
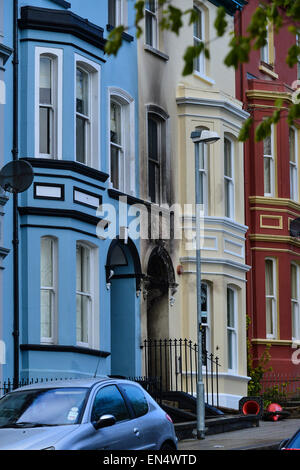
x=45, y=114
x=152, y=139
x=269, y=277
x=198, y=33
x=227, y=198
x=46, y=314
x=149, y=29
x=150, y=5
x=269, y=316
x=115, y=123
x=83, y=269
x=267, y=146
x=267, y=175
x=80, y=139
x=153, y=182
x=292, y=145
x=295, y=320
x=46, y=262
x=227, y=158
x=230, y=308
x=230, y=339
x=112, y=12
x=82, y=92
x=294, y=289
x=45, y=80
x=137, y=399
x=109, y=401
x=82, y=314
x=114, y=166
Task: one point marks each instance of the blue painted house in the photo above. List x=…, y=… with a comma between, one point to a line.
x=76, y=310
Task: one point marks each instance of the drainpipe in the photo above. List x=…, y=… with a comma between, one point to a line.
x=15, y=156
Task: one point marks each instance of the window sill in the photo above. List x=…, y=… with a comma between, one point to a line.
x=156, y=52
x=127, y=37
x=62, y=348
x=204, y=78
x=265, y=68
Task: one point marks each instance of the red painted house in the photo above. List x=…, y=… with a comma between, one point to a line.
x=272, y=201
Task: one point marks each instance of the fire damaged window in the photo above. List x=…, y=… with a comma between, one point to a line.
x=157, y=158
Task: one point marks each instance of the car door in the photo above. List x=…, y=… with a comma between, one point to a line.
x=120, y=436
x=144, y=426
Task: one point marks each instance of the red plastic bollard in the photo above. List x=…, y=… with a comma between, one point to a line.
x=251, y=407
x=272, y=408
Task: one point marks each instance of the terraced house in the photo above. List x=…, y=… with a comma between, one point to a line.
x=171, y=107
x=77, y=121
x=271, y=200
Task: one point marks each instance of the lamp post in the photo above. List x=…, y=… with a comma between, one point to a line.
x=200, y=138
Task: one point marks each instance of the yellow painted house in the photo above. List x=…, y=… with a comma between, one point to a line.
x=171, y=107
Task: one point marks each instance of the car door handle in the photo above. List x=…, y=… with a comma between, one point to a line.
x=136, y=432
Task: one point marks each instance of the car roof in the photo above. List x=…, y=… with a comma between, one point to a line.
x=87, y=382
x=57, y=383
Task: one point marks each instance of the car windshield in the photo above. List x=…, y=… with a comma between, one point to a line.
x=295, y=443
x=43, y=407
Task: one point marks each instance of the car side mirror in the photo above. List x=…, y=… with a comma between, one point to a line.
x=283, y=443
x=105, y=421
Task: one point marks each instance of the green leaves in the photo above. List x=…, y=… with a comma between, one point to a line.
x=266, y=16
x=114, y=40
x=220, y=22
x=240, y=48
x=245, y=130
x=172, y=19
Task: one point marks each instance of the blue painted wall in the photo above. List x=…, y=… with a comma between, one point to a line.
x=119, y=72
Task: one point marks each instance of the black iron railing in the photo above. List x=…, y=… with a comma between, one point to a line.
x=284, y=386
x=175, y=362
x=151, y=384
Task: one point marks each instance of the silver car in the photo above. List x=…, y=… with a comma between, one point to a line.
x=84, y=414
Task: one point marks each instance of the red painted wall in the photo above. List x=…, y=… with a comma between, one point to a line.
x=250, y=77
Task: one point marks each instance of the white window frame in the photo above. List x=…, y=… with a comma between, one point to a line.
x=56, y=55
x=120, y=8
x=232, y=331
x=229, y=185
x=92, y=295
x=127, y=173
x=274, y=300
x=295, y=304
x=271, y=160
x=265, y=50
x=199, y=63
x=158, y=163
x=203, y=178
x=52, y=289
x=92, y=155
x=208, y=314
x=154, y=22
x=294, y=167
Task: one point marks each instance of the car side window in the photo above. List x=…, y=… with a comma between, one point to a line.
x=109, y=401
x=137, y=399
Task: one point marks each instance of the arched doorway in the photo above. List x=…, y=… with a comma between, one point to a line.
x=123, y=278
x=160, y=286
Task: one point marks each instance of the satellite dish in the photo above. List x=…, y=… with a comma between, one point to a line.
x=295, y=228
x=16, y=176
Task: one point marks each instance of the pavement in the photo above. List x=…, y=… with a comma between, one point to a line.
x=266, y=436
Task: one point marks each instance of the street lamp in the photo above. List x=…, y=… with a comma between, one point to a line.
x=200, y=138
